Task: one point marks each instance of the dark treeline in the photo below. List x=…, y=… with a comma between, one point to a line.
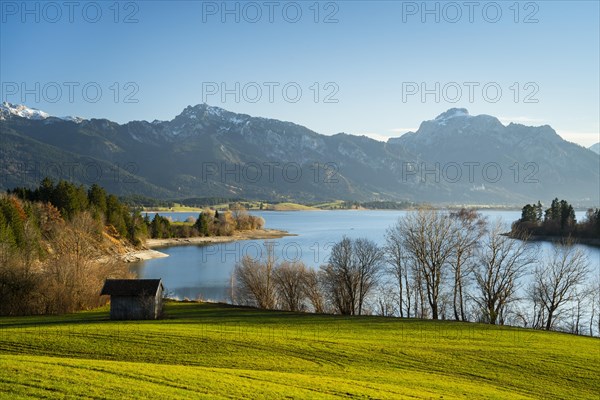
x=435, y=264
x=71, y=199
x=127, y=222
x=557, y=220
x=208, y=223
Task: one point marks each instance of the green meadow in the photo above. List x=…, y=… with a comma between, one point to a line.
x=203, y=350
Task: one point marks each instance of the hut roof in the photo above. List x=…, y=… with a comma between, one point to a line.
x=131, y=287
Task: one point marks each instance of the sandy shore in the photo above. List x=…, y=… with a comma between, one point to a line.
x=149, y=253
x=141, y=255
x=243, y=235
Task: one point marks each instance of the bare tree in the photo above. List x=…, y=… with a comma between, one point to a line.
x=340, y=278
x=555, y=282
x=352, y=273
x=418, y=285
x=429, y=239
x=470, y=228
x=240, y=216
x=398, y=261
x=386, y=300
x=595, y=305
x=502, y=262
x=314, y=290
x=578, y=309
x=255, y=280
x=409, y=292
x=243, y=220
x=290, y=280
x=369, y=261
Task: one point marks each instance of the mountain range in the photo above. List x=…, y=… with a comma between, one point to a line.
x=210, y=152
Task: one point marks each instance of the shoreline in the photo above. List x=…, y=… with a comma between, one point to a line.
x=141, y=255
x=453, y=207
x=150, y=245
x=148, y=252
x=592, y=242
x=241, y=235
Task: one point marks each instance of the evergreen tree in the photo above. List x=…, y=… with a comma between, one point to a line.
x=156, y=227
x=7, y=237
x=45, y=193
x=567, y=215
x=528, y=213
x=203, y=224
x=14, y=219
x=97, y=198
x=69, y=199
x=539, y=211
x=115, y=214
x=553, y=213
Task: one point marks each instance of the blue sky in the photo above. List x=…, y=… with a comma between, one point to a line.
x=349, y=66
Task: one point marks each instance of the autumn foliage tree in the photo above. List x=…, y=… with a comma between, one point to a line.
x=49, y=263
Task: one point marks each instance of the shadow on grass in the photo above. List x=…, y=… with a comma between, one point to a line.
x=83, y=317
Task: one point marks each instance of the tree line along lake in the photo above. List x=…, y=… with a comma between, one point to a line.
x=204, y=271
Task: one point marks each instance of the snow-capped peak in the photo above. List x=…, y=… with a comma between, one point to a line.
x=77, y=120
x=23, y=111
x=203, y=110
x=452, y=113
x=216, y=111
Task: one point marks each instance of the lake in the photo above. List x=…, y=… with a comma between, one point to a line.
x=205, y=271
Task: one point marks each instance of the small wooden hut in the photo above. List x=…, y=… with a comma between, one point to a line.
x=134, y=298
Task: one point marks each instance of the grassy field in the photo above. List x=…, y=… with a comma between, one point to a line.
x=290, y=207
x=215, y=351
x=176, y=208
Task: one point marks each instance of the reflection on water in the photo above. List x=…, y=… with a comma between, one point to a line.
x=204, y=271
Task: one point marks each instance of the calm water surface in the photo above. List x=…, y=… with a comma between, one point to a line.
x=204, y=271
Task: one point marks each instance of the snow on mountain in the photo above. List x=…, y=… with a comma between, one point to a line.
x=216, y=111
x=77, y=120
x=20, y=110
x=174, y=151
x=451, y=113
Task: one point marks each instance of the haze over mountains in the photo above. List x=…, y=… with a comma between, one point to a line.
x=207, y=151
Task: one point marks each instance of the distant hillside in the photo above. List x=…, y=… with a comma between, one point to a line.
x=210, y=152
x=526, y=161
x=595, y=148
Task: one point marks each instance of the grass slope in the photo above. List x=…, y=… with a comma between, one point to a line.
x=215, y=351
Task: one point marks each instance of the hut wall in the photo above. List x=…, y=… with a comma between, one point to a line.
x=133, y=307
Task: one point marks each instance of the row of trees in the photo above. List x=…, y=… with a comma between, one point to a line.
x=557, y=220
x=128, y=223
x=71, y=200
x=208, y=223
x=437, y=265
